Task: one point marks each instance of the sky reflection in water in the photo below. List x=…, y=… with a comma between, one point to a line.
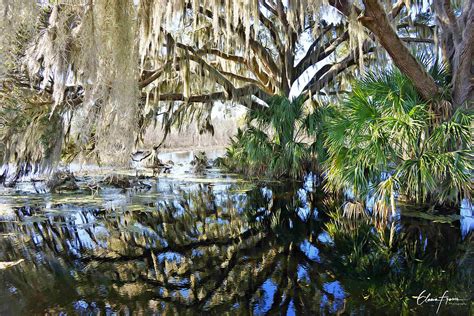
x=217, y=244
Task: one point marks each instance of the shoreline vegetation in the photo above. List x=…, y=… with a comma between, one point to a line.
x=386, y=115
x=381, y=142
x=237, y=157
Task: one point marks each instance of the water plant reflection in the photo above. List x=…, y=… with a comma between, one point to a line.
x=273, y=249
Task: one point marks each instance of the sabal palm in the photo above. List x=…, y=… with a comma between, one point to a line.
x=278, y=139
x=384, y=139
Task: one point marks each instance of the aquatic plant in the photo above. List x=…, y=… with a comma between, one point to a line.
x=62, y=181
x=200, y=162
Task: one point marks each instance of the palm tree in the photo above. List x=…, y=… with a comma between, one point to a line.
x=384, y=139
x=279, y=140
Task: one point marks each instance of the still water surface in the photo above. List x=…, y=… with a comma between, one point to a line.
x=216, y=244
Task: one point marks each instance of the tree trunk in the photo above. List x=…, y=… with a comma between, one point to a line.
x=463, y=60
x=376, y=20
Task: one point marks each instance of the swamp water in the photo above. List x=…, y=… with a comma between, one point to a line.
x=216, y=244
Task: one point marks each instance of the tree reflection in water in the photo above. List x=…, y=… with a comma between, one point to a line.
x=279, y=249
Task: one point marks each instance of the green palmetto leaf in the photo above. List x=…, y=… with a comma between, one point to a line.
x=272, y=142
x=385, y=128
